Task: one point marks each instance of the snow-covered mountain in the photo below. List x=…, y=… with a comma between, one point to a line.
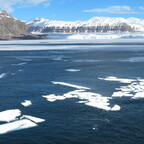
x=12, y=28
x=96, y=24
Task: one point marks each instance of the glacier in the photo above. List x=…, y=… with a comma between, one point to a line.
x=105, y=36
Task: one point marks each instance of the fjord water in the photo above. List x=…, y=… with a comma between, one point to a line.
x=29, y=76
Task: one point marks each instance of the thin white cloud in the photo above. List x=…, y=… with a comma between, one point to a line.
x=61, y=2
x=114, y=10
x=9, y=5
x=141, y=8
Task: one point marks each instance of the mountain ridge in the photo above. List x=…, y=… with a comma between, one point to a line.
x=93, y=25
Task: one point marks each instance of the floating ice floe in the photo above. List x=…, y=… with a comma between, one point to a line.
x=135, y=89
x=92, y=99
x=87, y=98
x=121, y=94
x=2, y=75
x=53, y=97
x=14, y=123
x=141, y=81
x=32, y=118
x=82, y=102
x=26, y=103
x=9, y=115
x=118, y=94
x=121, y=80
x=116, y=108
x=99, y=105
x=72, y=70
x=70, y=85
x=138, y=95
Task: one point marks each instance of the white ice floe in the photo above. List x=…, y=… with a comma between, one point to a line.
x=138, y=95
x=121, y=80
x=125, y=89
x=118, y=94
x=87, y=98
x=99, y=105
x=61, y=98
x=16, y=125
x=2, y=75
x=121, y=94
x=141, y=81
x=26, y=103
x=72, y=70
x=116, y=108
x=70, y=85
x=9, y=115
x=50, y=98
x=53, y=97
x=135, y=89
x=82, y=102
x=32, y=118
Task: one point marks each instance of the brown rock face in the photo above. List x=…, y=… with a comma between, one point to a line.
x=11, y=28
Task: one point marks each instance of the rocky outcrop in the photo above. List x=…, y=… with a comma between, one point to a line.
x=92, y=29
x=11, y=28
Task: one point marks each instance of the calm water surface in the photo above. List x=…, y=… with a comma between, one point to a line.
x=68, y=122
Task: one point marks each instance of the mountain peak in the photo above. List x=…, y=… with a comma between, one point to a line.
x=3, y=12
x=5, y=15
x=12, y=28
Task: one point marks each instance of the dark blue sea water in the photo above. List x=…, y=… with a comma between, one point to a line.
x=68, y=122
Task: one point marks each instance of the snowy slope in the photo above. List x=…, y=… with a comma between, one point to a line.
x=95, y=24
x=137, y=24
x=96, y=21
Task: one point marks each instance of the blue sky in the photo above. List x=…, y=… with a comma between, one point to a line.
x=71, y=10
